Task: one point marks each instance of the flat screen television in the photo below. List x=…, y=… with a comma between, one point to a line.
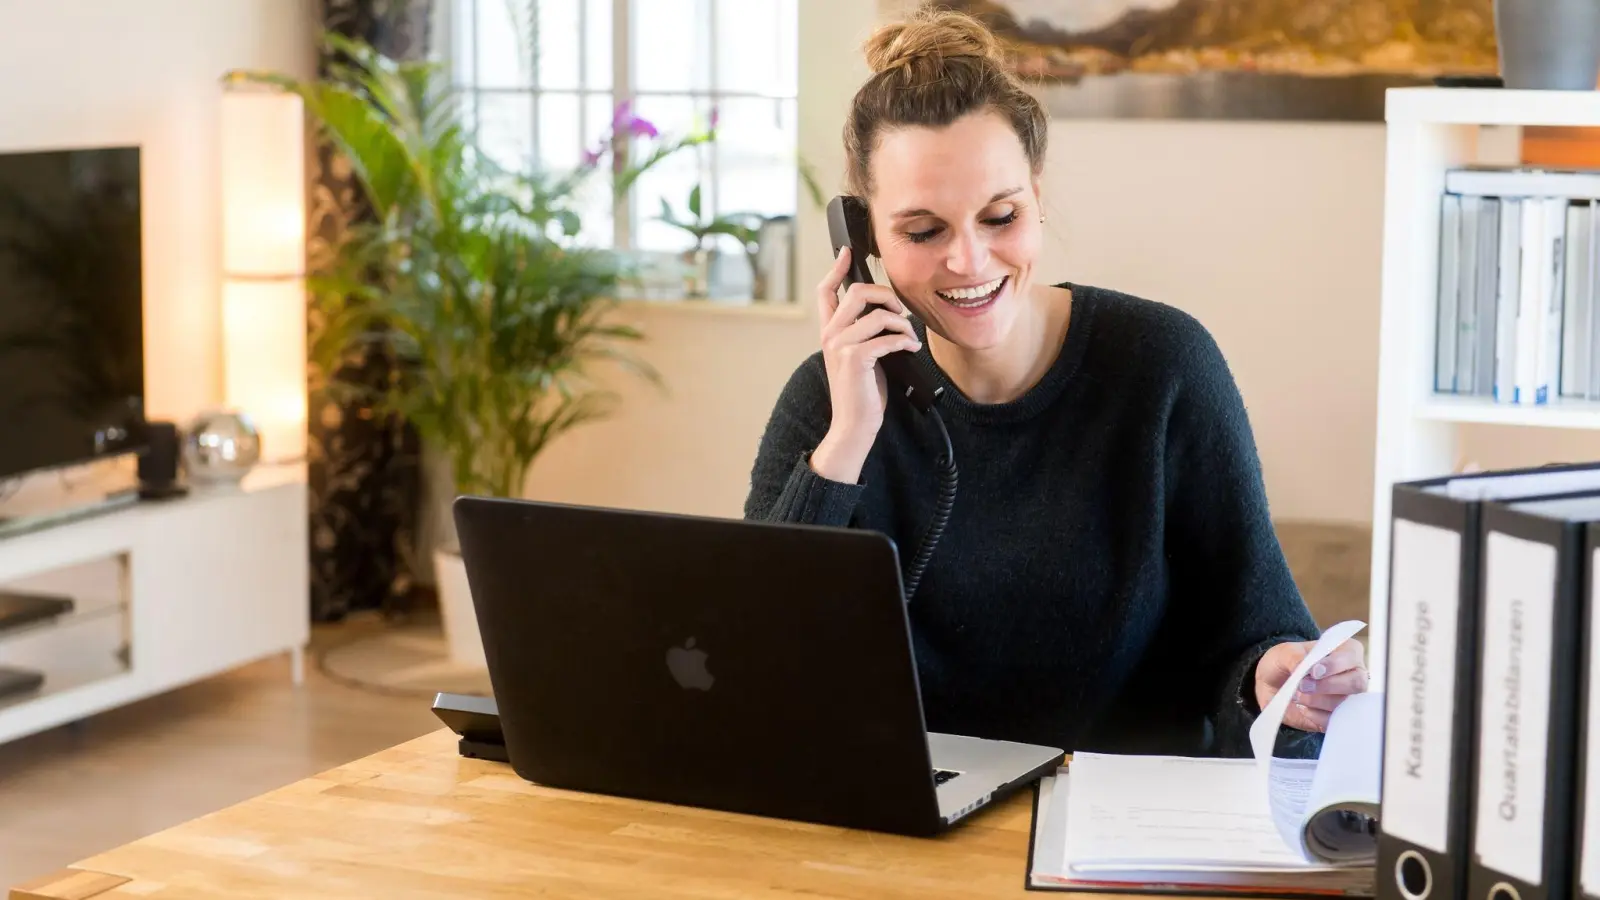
x=71, y=307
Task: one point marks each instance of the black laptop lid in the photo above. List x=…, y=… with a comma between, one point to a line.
x=714, y=662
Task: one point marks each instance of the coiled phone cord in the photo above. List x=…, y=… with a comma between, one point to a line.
x=941, y=510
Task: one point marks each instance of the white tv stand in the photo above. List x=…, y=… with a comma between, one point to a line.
x=166, y=593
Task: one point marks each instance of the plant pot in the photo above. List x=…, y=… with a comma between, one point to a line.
x=697, y=272
x=1548, y=44
x=459, y=617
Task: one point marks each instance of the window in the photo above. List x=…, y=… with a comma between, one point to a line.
x=541, y=80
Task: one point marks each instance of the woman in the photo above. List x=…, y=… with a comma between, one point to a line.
x=1109, y=578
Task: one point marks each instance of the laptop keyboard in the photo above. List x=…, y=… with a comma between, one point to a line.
x=940, y=776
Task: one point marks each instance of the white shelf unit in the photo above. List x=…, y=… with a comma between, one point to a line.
x=1430, y=130
x=168, y=592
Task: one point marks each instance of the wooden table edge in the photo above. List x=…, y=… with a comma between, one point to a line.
x=77, y=882
x=70, y=883
x=86, y=879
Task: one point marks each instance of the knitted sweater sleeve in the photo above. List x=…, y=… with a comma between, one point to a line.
x=783, y=486
x=1230, y=584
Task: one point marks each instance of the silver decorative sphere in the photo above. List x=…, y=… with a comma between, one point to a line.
x=220, y=446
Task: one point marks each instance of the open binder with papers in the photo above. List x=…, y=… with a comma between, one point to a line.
x=1223, y=827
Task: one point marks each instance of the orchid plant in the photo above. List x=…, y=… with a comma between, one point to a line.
x=627, y=129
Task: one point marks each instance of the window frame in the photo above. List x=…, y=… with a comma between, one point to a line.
x=454, y=37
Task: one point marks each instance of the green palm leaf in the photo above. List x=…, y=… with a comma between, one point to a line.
x=471, y=277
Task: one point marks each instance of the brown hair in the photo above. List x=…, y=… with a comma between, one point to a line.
x=929, y=70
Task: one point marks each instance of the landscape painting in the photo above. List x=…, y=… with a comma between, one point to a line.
x=1236, y=59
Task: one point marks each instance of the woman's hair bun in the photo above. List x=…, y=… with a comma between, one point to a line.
x=928, y=71
x=933, y=35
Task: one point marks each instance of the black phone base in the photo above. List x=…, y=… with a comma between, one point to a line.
x=477, y=721
x=483, y=750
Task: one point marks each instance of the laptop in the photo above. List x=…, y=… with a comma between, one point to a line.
x=751, y=667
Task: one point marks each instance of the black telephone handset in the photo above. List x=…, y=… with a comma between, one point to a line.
x=848, y=224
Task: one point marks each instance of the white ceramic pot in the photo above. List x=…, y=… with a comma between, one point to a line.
x=455, y=608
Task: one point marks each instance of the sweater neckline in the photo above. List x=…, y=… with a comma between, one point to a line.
x=956, y=405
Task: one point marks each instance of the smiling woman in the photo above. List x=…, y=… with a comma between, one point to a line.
x=1109, y=577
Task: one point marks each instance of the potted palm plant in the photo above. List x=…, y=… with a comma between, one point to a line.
x=472, y=276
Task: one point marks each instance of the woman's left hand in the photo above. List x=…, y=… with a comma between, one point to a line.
x=1335, y=677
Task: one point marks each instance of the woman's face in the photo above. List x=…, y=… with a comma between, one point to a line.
x=955, y=213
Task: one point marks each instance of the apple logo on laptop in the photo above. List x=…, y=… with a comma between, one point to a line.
x=688, y=667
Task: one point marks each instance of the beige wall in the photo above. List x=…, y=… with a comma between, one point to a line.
x=92, y=72
x=1270, y=234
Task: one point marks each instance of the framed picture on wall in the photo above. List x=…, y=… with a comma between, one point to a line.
x=1321, y=60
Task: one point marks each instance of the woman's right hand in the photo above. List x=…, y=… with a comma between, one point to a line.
x=851, y=348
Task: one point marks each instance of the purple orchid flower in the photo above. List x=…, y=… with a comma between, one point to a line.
x=638, y=127
x=623, y=121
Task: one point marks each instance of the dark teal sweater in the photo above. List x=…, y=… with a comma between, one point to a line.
x=1109, y=575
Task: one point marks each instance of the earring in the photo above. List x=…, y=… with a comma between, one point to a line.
x=1041, y=217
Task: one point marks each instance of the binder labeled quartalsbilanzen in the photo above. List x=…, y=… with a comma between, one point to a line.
x=1432, y=664
x=1534, y=566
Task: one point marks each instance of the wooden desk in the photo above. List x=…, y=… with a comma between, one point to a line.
x=418, y=820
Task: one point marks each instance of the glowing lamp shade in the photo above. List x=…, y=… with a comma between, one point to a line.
x=265, y=366
x=264, y=250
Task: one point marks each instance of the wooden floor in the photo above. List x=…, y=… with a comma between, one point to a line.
x=73, y=792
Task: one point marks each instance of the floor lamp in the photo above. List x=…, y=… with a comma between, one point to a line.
x=264, y=263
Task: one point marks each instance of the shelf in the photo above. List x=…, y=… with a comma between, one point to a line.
x=169, y=592
x=78, y=616
x=1574, y=414
x=61, y=683
x=1491, y=106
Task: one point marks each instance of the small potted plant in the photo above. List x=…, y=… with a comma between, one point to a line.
x=744, y=227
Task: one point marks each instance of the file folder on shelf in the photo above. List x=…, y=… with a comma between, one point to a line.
x=1431, y=662
x=1529, y=632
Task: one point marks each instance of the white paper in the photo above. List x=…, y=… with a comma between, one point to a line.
x=1423, y=616
x=1136, y=811
x=1523, y=484
x=1189, y=815
x=1050, y=834
x=1289, y=781
x=1349, y=774
x=1346, y=776
x=1264, y=733
x=1519, y=601
x=1589, y=852
x=1288, y=818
